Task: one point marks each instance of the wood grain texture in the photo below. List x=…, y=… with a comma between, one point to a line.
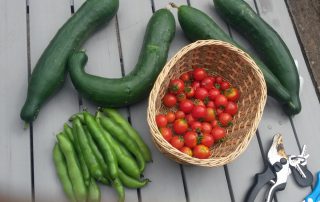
x=15, y=168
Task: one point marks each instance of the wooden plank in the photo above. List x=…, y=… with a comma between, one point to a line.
x=46, y=17
x=15, y=169
x=162, y=171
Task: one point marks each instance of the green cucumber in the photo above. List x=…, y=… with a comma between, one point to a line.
x=197, y=25
x=49, y=73
x=120, y=92
x=267, y=42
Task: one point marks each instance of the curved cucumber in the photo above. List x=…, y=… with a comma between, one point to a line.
x=119, y=92
x=199, y=26
x=49, y=73
x=268, y=44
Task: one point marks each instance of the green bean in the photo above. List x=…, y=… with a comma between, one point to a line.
x=88, y=155
x=118, y=133
x=102, y=144
x=68, y=131
x=94, y=194
x=125, y=162
x=77, y=115
x=98, y=156
x=131, y=182
x=80, y=160
x=62, y=171
x=117, y=185
x=74, y=172
x=133, y=133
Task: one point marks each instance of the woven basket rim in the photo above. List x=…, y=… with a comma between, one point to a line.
x=210, y=162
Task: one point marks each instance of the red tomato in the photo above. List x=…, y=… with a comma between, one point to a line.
x=189, y=91
x=181, y=96
x=225, y=119
x=185, y=77
x=225, y=85
x=180, y=126
x=219, y=79
x=232, y=94
x=200, y=151
x=195, y=85
x=213, y=79
x=199, y=112
x=196, y=126
x=169, y=100
x=214, y=123
x=211, y=114
x=218, y=133
x=207, y=140
x=201, y=93
x=210, y=104
x=206, y=127
x=213, y=93
x=198, y=102
x=199, y=74
x=190, y=119
x=221, y=101
x=207, y=83
x=219, y=111
x=170, y=117
x=186, y=106
x=180, y=114
x=176, y=86
x=186, y=150
x=231, y=108
x=161, y=120
x=177, y=142
x=190, y=139
x=166, y=133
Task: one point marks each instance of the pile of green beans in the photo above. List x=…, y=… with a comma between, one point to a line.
x=101, y=148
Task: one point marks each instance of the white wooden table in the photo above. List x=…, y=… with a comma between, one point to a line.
x=26, y=167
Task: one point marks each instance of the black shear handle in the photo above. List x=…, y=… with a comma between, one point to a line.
x=260, y=180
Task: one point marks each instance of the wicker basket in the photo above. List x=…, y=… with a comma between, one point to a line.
x=235, y=66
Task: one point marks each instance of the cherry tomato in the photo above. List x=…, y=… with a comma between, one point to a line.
x=195, y=85
x=177, y=142
x=186, y=106
x=206, y=127
x=221, y=101
x=186, y=150
x=225, y=119
x=219, y=111
x=180, y=114
x=176, y=86
x=213, y=93
x=190, y=119
x=213, y=79
x=211, y=114
x=207, y=140
x=232, y=94
x=231, y=108
x=190, y=139
x=219, y=79
x=200, y=151
x=161, y=120
x=199, y=112
x=189, y=91
x=166, y=133
x=196, y=126
x=207, y=83
x=225, y=85
x=198, y=102
x=199, y=74
x=201, y=93
x=181, y=96
x=171, y=117
x=214, y=123
x=210, y=104
x=180, y=126
x=185, y=77
x=218, y=133
x=169, y=100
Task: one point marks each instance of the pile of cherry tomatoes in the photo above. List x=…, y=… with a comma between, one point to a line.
x=200, y=107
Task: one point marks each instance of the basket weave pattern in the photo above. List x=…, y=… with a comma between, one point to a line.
x=235, y=66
